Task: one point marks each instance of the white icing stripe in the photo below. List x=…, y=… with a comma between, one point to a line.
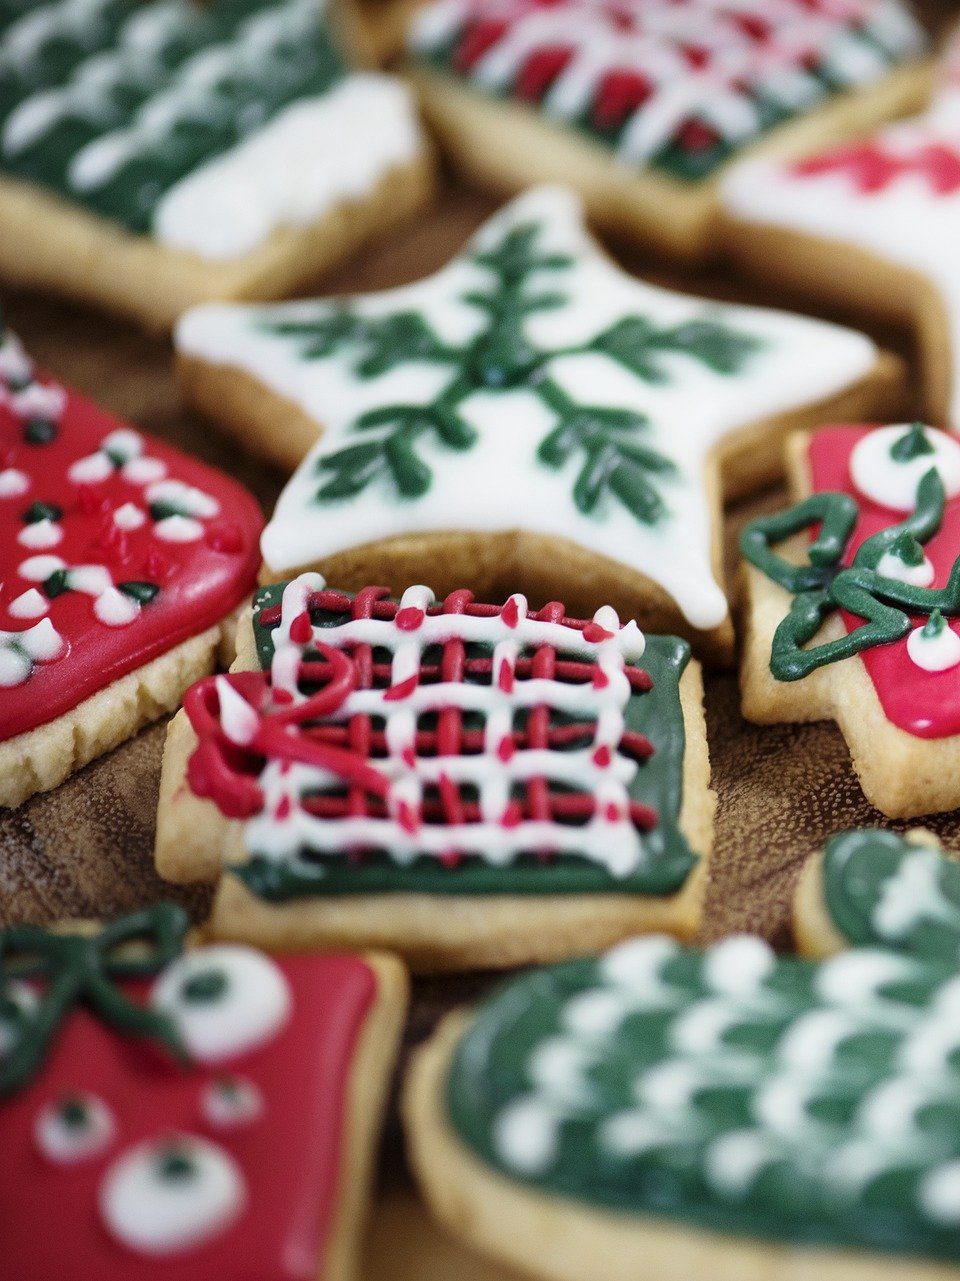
x=313, y=155
x=499, y=484
x=608, y=837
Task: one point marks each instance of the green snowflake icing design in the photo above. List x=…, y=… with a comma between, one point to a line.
x=613, y=457
x=824, y=584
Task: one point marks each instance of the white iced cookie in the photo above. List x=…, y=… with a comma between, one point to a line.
x=224, y=1000
x=888, y=464
x=74, y=1128
x=935, y=646
x=163, y=1197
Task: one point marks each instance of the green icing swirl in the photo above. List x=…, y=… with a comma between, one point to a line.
x=801, y=1102
x=658, y=782
x=882, y=889
x=113, y=110
x=825, y=584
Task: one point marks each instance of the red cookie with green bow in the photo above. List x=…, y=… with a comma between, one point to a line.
x=187, y=1112
x=122, y=565
x=853, y=600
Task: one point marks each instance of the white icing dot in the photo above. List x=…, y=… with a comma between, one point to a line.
x=225, y=1000
x=230, y=1102
x=187, y=499
x=64, y=1140
x=738, y=966
x=40, y=534
x=934, y=653
x=129, y=516
x=90, y=470
x=115, y=609
x=178, y=529
x=238, y=718
x=13, y=483
x=156, y=1212
x=36, y=568
x=894, y=484
x=525, y=1135
x=939, y=1194
x=92, y=580
x=143, y=471
x=638, y=962
x=39, y=401
x=29, y=604
x=123, y=444
x=14, y=667
x=891, y=566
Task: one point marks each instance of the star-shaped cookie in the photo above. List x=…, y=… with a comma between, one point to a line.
x=531, y=417
x=872, y=225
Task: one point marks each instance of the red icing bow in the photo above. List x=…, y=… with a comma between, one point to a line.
x=224, y=767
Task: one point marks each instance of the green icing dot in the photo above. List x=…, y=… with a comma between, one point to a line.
x=934, y=625
x=176, y=1164
x=913, y=444
x=906, y=549
x=73, y=1112
x=40, y=431
x=204, y=986
x=41, y=511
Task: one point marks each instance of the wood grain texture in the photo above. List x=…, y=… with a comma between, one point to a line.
x=86, y=849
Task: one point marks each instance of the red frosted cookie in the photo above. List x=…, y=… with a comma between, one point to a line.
x=187, y=1113
x=122, y=563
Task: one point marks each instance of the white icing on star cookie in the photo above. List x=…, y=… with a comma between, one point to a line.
x=693, y=375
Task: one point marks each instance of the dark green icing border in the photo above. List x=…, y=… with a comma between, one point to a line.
x=788, y=1202
x=659, y=783
x=856, y=867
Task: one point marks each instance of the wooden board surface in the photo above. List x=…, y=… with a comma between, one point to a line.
x=86, y=849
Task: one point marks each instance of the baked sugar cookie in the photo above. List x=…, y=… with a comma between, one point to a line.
x=156, y=155
x=859, y=625
x=530, y=418
x=471, y=785
x=122, y=565
x=871, y=224
x=666, y=1112
x=641, y=106
x=191, y=1112
x=870, y=887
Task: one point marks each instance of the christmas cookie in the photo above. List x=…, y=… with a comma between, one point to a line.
x=529, y=418
x=469, y=784
x=870, y=224
x=122, y=563
x=725, y=1113
x=641, y=106
x=871, y=888
x=187, y=1112
x=852, y=600
x=156, y=155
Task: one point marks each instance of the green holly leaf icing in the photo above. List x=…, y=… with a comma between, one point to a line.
x=825, y=584
x=881, y=888
x=612, y=463
x=731, y=1089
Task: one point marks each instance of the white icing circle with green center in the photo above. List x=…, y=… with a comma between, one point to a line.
x=934, y=653
x=251, y=1006
x=154, y=1213
x=64, y=1141
x=892, y=483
